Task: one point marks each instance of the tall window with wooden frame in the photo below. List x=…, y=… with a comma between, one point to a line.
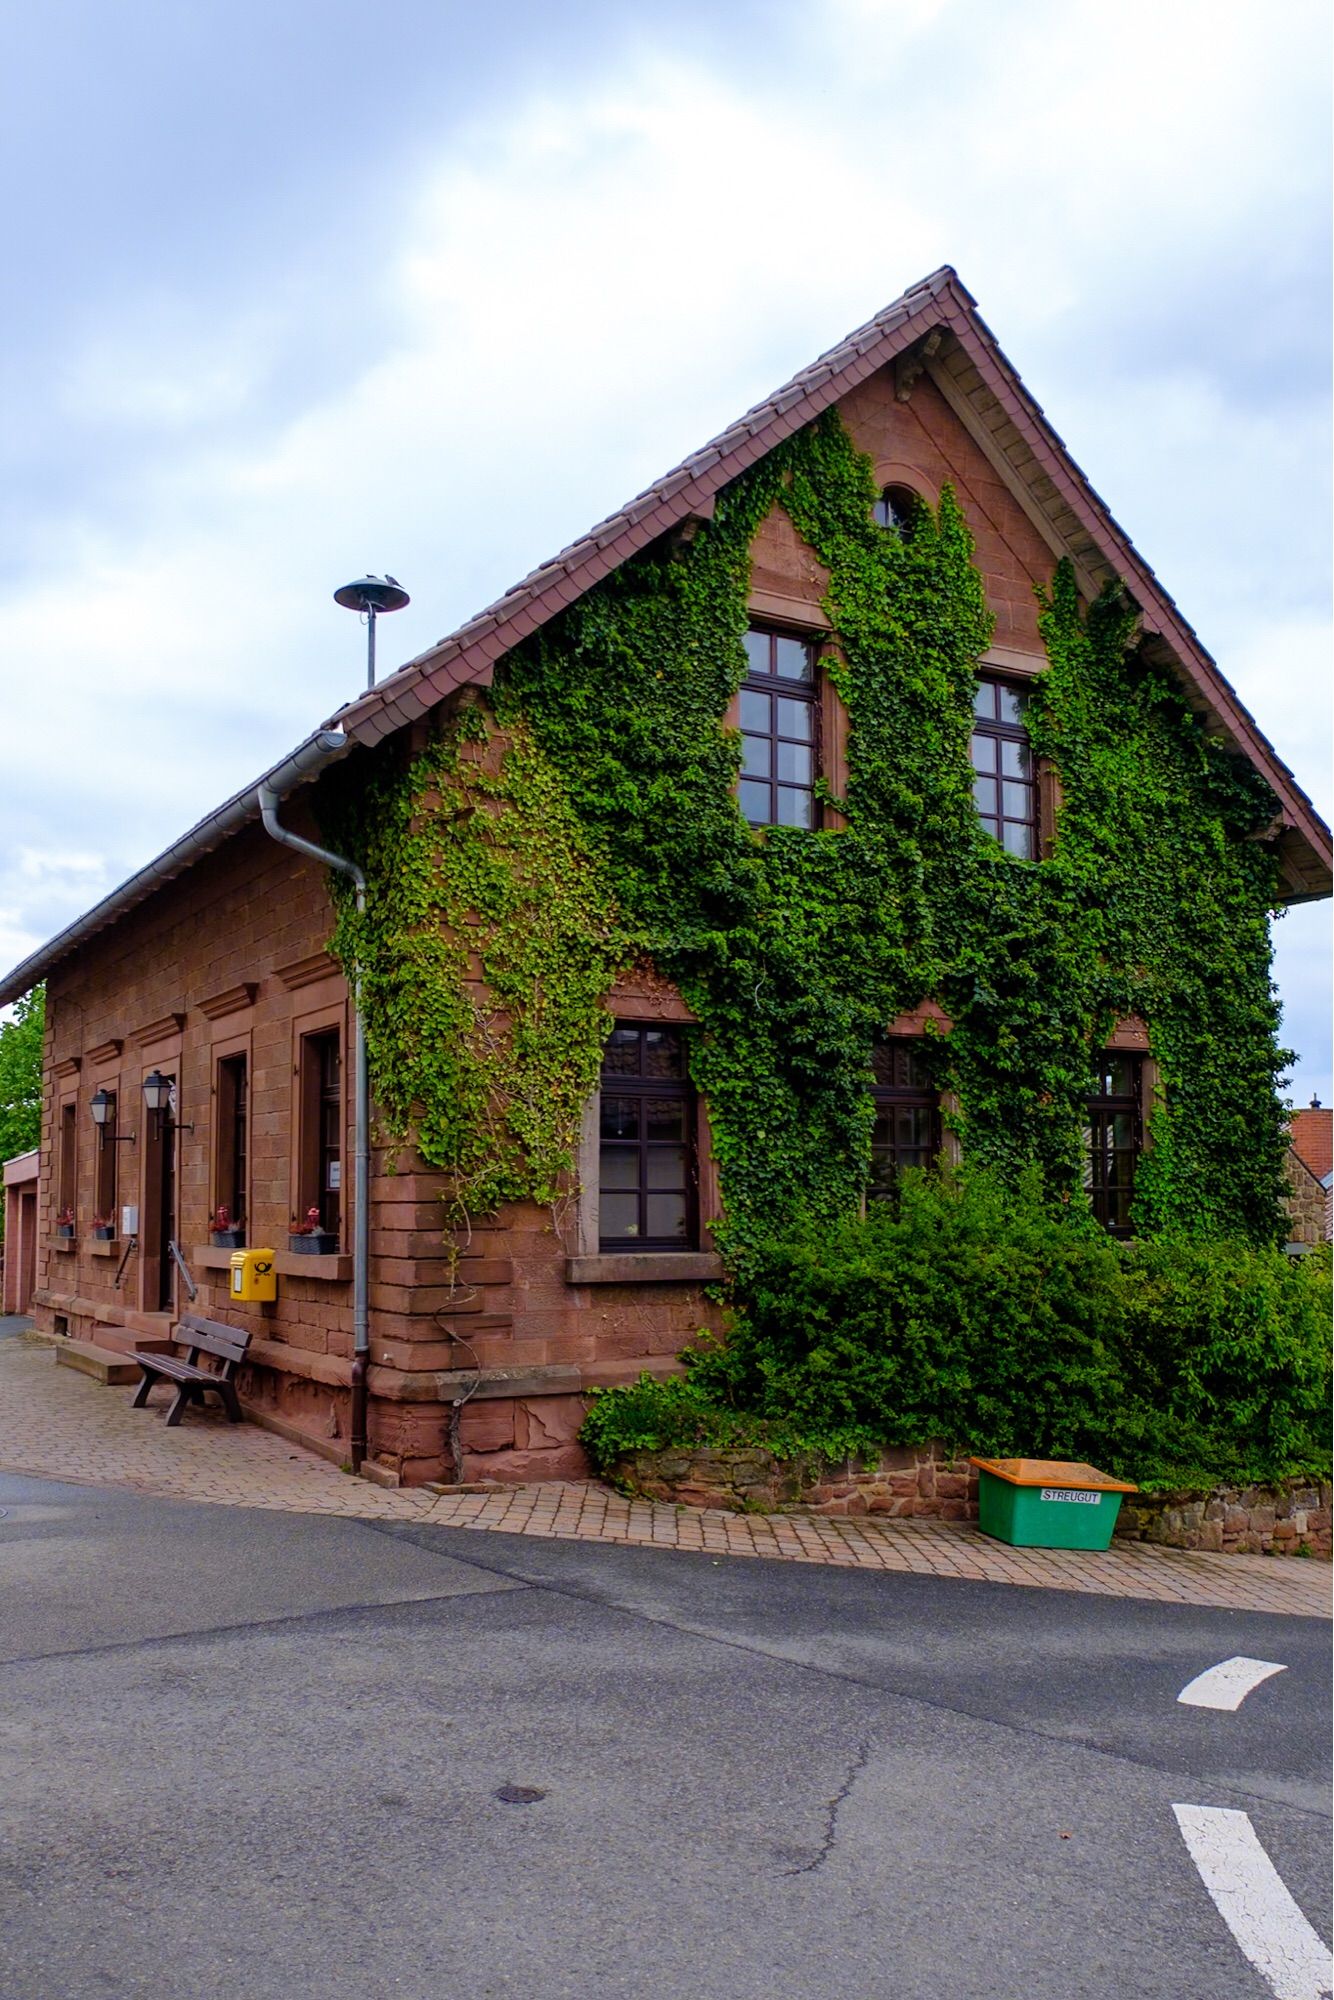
x=647, y=1197
x=67, y=1168
x=779, y=715
x=1113, y=1140
x=320, y=1158
x=906, y=1132
x=1005, y=779
x=104, y=1171
x=230, y=1140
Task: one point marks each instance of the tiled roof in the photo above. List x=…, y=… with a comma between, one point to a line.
x=985, y=393
x=1312, y=1136
x=470, y=653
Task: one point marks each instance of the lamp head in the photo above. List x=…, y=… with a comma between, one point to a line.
x=372, y=593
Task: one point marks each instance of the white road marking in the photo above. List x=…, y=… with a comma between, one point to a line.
x=1228, y=1684
x=1253, y=1902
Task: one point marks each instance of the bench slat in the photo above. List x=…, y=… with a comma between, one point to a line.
x=211, y=1336
x=173, y=1370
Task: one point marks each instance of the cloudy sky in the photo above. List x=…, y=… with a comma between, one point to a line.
x=302, y=288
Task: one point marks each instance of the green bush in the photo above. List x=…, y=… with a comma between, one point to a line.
x=966, y=1312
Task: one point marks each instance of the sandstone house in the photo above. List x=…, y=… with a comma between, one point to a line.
x=854, y=795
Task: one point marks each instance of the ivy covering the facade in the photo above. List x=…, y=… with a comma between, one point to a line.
x=580, y=819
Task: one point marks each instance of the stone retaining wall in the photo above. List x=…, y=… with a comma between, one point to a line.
x=1285, y=1520
x=924, y=1482
x=902, y=1481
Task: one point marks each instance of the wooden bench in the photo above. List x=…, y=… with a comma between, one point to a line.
x=198, y=1336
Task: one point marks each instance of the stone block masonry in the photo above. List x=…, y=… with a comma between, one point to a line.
x=232, y=961
x=926, y=1483
x=1290, y=1519
x=900, y=1483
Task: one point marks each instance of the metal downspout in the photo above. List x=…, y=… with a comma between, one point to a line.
x=268, y=797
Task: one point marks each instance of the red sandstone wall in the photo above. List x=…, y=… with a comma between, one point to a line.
x=509, y=1338
x=233, y=957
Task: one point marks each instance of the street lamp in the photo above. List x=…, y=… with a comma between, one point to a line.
x=372, y=595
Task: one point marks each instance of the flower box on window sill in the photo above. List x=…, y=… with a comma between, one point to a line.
x=318, y=1243
x=65, y=1229
x=104, y=1232
x=229, y=1239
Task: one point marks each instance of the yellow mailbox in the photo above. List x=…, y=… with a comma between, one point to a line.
x=254, y=1275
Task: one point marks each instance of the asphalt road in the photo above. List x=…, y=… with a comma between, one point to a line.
x=258, y=1754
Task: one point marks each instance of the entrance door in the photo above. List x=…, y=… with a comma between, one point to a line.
x=27, y=1251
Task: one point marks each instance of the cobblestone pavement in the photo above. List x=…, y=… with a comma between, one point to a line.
x=58, y=1424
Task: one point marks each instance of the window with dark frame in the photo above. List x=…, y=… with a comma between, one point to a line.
x=69, y=1158
x=646, y=1153
x=320, y=1171
x=1113, y=1140
x=906, y=1132
x=779, y=734
x=1005, y=784
x=232, y=1139
x=897, y=509
x=104, y=1167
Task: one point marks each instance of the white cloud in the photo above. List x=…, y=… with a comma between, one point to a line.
x=581, y=285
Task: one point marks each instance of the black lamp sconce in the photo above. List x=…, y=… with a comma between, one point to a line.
x=157, y=1096
x=103, y=1108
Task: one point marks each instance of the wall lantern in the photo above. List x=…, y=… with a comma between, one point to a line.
x=160, y=1097
x=157, y=1091
x=103, y=1108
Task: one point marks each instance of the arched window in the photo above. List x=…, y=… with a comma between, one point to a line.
x=898, y=509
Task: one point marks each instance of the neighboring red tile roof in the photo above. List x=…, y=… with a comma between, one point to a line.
x=1312, y=1135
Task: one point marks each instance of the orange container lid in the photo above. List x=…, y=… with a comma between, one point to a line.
x=1068, y=1473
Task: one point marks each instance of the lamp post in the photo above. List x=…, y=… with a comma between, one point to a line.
x=372, y=595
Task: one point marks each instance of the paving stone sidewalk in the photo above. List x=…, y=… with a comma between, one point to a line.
x=58, y=1424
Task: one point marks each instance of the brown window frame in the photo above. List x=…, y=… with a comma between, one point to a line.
x=67, y=1198
x=903, y=1091
x=320, y=1138
x=989, y=768
x=105, y=1175
x=1111, y=1199
x=774, y=686
x=644, y=1088
x=231, y=1137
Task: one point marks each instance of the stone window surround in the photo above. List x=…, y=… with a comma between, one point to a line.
x=237, y=1043
x=590, y=1264
x=328, y=1008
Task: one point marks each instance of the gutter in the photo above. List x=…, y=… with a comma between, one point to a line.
x=307, y=762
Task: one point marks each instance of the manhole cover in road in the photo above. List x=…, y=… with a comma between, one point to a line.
x=519, y=1795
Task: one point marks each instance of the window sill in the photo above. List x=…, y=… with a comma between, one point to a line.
x=333, y=1269
x=645, y=1267
x=105, y=1246
x=65, y=1246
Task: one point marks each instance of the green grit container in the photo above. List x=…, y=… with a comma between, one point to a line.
x=1048, y=1503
